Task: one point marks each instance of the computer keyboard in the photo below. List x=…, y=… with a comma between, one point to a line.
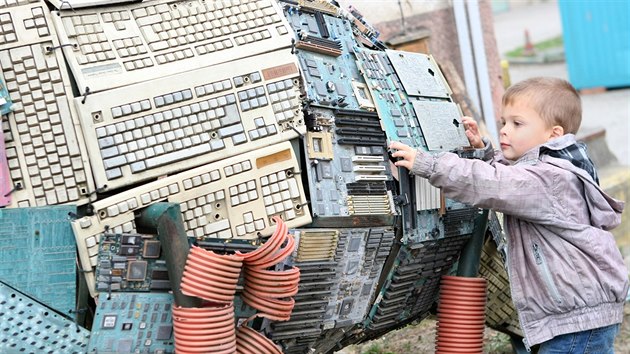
x=46, y=156
x=178, y=122
x=121, y=45
x=76, y=4
x=12, y=3
x=233, y=198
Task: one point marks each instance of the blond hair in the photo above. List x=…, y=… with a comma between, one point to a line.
x=555, y=100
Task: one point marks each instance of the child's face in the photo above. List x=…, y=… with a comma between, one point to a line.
x=523, y=129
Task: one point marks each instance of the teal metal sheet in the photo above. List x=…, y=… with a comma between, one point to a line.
x=38, y=253
x=28, y=326
x=597, y=42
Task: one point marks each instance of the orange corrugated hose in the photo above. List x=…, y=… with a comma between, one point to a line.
x=214, y=277
x=270, y=291
x=461, y=315
x=211, y=276
x=204, y=330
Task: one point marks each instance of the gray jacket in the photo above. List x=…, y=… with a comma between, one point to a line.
x=566, y=272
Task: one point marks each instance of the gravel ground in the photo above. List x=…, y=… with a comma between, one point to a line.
x=420, y=339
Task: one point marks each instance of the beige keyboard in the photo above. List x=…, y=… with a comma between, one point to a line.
x=234, y=198
x=45, y=151
x=125, y=44
x=12, y=3
x=174, y=123
x=76, y=4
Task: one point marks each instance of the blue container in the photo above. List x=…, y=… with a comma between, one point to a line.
x=597, y=42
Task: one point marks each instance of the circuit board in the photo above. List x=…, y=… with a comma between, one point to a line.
x=345, y=147
x=131, y=262
x=41, y=242
x=133, y=323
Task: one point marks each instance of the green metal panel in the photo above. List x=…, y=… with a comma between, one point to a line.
x=27, y=326
x=38, y=253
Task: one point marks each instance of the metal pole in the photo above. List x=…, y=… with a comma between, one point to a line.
x=166, y=218
x=468, y=62
x=481, y=63
x=468, y=265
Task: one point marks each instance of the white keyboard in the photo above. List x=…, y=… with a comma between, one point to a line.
x=174, y=123
x=125, y=44
x=76, y=4
x=234, y=198
x=12, y=3
x=45, y=154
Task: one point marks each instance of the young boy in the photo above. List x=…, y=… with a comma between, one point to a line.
x=567, y=276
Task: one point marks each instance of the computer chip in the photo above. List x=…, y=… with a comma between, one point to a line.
x=130, y=239
x=129, y=250
x=151, y=249
x=136, y=271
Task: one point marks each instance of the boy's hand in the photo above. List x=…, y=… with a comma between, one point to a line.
x=405, y=155
x=472, y=133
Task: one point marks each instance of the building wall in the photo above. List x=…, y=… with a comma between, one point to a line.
x=389, y=10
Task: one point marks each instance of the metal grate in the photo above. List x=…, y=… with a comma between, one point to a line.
x=27, y=326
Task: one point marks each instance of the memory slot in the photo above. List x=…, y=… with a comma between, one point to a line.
x=355, y=113
x=321, y=25
x=369, y=168
x=320, y=45
x=370, y=188
x=367, y=159
x=360, y=132
x=365, y=141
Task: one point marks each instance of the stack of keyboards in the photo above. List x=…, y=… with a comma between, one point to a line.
x=238, y=111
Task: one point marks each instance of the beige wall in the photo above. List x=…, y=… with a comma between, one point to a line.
x=387, y=10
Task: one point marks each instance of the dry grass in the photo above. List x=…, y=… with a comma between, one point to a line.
x=420, y=338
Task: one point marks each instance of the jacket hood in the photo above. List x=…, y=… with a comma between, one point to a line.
x=605, y=211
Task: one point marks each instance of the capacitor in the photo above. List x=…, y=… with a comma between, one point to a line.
x=330, y=86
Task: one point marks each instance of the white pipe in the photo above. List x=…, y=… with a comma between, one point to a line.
x=468, y=62
x=481, y=63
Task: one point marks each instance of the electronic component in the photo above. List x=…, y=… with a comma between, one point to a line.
x=121, y=45
x=442, y=122
x=131, y=262
x=340, y=270
x=234, y=198
x=330, y=80
x=347, y=165
x=392, y=103
x=347, y=180
x=413, y=280
x=45, y=151
x=133, y=322
x=419, y=74
x=36, y=239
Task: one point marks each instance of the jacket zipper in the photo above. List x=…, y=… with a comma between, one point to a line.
x=542, y=264
x=508, y=261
